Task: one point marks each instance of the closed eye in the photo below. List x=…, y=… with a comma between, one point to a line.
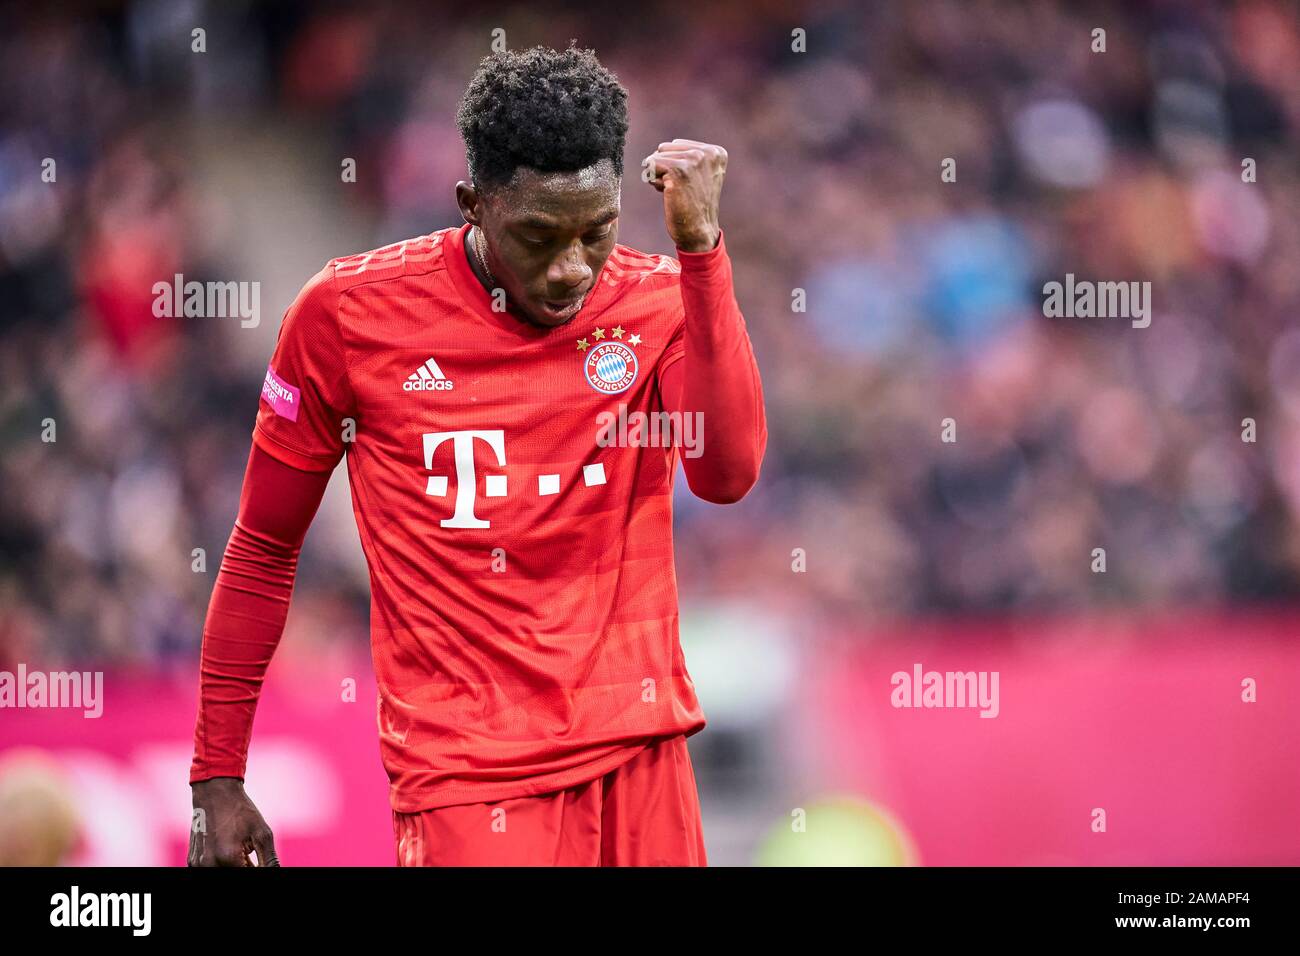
x=589, y=239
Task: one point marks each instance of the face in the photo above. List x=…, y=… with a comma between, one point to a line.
x=548, y=236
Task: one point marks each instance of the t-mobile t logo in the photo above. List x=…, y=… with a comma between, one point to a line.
x=466, y=479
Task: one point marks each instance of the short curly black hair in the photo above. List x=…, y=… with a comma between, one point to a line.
x=550, y=110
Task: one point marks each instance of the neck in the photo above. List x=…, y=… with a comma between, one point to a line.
x=471, y=244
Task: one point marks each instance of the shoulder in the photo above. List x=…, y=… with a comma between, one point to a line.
x=317, y=303
x=653, y=281
x=634, y=267
x=396, y=261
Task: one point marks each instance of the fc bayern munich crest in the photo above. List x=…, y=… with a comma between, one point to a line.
x=610, y=367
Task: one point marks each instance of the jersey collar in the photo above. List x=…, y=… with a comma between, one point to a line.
x=480, y=302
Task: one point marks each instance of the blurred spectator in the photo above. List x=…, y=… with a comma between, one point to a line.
x=923, y=296
x=39, y=824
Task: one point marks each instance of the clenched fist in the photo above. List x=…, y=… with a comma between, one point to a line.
x=689, y=174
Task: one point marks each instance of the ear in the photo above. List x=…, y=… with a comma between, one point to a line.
x=470, y=201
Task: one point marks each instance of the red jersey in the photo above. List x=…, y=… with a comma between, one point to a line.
x=524, y=620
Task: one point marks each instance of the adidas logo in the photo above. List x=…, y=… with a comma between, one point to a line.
x=427, y=378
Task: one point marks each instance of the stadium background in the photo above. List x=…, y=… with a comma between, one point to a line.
x=1120, y=690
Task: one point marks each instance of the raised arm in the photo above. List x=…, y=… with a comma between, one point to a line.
x=716, y=378
x=711, y=370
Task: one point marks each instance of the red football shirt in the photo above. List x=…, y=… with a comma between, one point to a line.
x=523, y=598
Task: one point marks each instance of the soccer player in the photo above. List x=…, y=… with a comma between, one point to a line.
x=534, y=703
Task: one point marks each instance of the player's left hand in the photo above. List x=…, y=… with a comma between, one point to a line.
x=689, y=174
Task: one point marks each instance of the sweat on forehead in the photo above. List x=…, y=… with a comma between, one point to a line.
x=598, y=179
x=586, y=194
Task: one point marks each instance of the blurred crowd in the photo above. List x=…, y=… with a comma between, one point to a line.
x=882, y=299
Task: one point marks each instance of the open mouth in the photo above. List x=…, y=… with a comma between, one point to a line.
x=563, y=308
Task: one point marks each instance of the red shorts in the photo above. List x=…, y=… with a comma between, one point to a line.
x=645, y=812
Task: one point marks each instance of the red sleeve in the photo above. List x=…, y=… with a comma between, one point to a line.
x=709, y=369
x=306, y=394
x=250, y=601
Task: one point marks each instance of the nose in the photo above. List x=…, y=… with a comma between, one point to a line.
x=569, y=269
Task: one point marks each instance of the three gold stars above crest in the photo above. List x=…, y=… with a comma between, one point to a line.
x=616, y=332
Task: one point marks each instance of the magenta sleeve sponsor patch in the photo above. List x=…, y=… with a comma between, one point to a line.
x=280, y=395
